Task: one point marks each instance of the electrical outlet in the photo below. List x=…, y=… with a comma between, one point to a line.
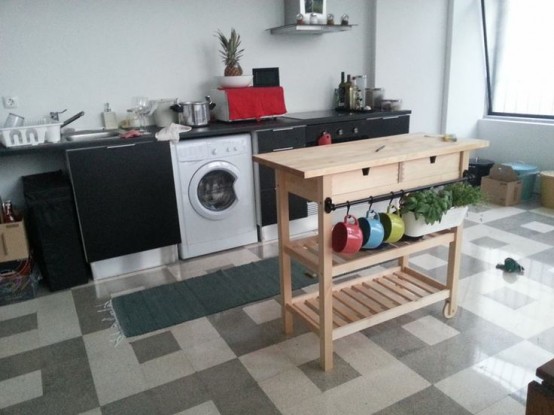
x=10, y=102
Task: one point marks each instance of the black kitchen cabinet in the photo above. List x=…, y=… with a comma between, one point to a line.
x=125, y=198
x=343, y=131
x=385, y=126
x=266, y=141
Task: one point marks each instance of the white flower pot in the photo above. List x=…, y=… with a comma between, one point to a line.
x=417, y=227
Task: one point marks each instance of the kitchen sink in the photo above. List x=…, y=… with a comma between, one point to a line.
x=88, y=135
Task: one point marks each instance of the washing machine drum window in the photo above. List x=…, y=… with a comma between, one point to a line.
x=212, y=190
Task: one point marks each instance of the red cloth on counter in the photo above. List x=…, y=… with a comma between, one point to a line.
x=255, y=102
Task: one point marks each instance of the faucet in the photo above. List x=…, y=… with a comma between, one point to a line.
x=55, y=115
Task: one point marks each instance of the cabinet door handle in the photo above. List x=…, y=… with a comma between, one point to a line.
x=282, y=149
x=120, y=146
x=392, y=117
x=288, y=128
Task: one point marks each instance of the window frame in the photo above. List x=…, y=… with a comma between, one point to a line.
x=489, y=89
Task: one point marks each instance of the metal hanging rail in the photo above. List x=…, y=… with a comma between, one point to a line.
x=330, y=206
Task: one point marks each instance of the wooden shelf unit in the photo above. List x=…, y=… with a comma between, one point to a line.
x=350, y=171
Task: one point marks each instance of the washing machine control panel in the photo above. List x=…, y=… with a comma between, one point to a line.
x=226, y=148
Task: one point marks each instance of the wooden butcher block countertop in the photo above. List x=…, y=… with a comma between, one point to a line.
x=325, y=160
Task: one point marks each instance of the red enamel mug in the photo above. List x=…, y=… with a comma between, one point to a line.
x=347, y=237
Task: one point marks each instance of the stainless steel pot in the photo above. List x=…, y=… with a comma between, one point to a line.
x=194, y=114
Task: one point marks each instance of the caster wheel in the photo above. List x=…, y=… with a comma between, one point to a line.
x=446, y=312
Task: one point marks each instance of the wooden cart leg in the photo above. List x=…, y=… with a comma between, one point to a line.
x=284, y=259
x=325, y=266
x=453, y=273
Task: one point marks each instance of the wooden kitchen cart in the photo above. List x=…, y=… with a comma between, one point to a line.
x=353, y=171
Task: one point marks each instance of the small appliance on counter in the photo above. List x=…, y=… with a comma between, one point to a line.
x=250, y=103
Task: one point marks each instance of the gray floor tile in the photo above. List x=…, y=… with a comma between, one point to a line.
x=342, y=372
x=488, y=242
x=510, y=298
x=167, y=399
x=18, y=325
x=234, y=391
x=546, y=257
x=545, y=340
x=89, y=307
x=429, y=401
x=243, y=335
x=155, y=346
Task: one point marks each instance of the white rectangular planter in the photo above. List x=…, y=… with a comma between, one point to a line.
x=417, y=227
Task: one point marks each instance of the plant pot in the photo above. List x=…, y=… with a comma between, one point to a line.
x=417, y=227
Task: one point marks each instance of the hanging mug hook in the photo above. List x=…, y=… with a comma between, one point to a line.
x=370, y=201
x=391, y=198
x=347, y=208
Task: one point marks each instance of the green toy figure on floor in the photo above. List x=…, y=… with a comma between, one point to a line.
x=511, y=265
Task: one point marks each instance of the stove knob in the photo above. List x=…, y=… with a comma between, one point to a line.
x=355, y=130
x=340, y=131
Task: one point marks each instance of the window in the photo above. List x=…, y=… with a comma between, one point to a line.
x=519, y=37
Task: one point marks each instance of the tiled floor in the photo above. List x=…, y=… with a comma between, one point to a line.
x=57, y=353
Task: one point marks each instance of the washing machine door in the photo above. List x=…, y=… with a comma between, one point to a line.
x=212, y=190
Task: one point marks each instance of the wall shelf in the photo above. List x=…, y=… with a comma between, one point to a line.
x=308, y=29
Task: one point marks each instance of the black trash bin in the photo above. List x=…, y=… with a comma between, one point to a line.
x=478, y=168
x=53, y=230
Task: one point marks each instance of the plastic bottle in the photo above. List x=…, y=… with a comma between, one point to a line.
x=7, y=212
x=109, y=117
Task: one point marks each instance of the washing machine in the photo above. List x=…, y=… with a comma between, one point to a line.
x=215, y=193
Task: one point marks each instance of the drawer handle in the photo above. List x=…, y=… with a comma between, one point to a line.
x=282, y=149
x=120, y=146
x=365, y=171
x=283, y=129
x=432, y=159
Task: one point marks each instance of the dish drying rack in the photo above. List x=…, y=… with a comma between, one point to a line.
x=30, y=135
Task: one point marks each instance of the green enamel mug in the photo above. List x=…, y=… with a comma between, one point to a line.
x=393, y=224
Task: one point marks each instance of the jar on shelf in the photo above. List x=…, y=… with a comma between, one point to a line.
x=299, y=18
x=313, y=18
x=330, y=19
x=344, y=19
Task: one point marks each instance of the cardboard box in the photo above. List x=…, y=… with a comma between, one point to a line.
x=502, y=186
x=13, y=242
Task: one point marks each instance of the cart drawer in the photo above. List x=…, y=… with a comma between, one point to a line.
x=356, y=180
x=436, y=166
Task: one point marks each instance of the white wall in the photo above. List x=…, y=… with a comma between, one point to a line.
x=410, y=57
x=79, y=54
x=465, y=78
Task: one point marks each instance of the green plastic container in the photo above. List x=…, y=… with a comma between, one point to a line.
x=527, y=174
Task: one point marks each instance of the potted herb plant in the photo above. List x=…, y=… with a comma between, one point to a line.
x=436, y=209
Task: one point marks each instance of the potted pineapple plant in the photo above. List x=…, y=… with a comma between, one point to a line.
x=231, y=53
x=434, y=209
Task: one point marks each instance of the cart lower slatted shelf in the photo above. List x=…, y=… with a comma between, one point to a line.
x=306, y=251
x=366, y=301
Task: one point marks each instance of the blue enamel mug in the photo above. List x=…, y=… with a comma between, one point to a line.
x=372, y=230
